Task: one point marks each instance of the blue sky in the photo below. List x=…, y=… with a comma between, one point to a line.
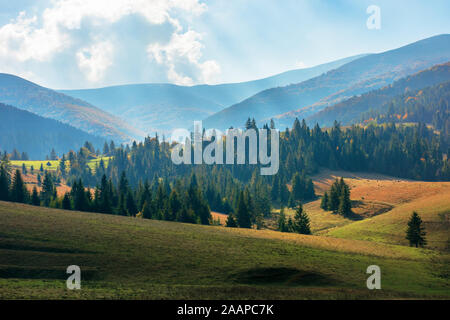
x=84, y=44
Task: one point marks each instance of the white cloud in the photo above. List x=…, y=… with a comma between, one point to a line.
x=40, y=37
x=22, y=40
x=95, y=60
x=182, y=48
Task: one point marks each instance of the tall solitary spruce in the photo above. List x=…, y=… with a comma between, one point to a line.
x=416, y=231
x=301, y=221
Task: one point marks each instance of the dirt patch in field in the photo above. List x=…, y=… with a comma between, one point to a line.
x=368, y=209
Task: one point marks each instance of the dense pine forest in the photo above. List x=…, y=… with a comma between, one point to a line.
x=141, y=180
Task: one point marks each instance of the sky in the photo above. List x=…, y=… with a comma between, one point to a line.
x=74, y=44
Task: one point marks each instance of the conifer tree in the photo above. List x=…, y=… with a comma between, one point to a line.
x=301, y=221
x=290, y=225
x=416, y=231
x=324, y=202
x=174, y=206
x=282, y=223
x=333, y=204
x=4, y=183
x=131, y=204
x=146, y=210
x=19, y=192
x=62, y=166
x=66, y=202
x=35, y=200
x=48, y=189
x=243, y=214
x=231, y=221
x=345, y=205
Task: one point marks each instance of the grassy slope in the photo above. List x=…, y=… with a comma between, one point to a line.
x=54, y=163
x=388, y=202
x=132, y=258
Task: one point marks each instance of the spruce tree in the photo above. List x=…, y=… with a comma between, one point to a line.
x=333, y=203
x=243, y=214
x=66, y=202
x=174, y=206
x=416, y=231
x=290, y=225
x=35, y=200
x=48, y=189
x=62, y=166
x=345, y=205
x=301, y=221
x=282, y=224
x=4, y=183
x=231, y=221
x=19, y=192
x=324, y=202
x=105, y=196
x=131, y=204
x=146, y=210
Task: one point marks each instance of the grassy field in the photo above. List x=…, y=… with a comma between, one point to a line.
x=36, y=164
x=123, y=258
x=54, y=163
x=126, y=258
x=383, y=206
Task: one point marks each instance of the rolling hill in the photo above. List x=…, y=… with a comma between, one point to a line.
x=47, y=103
x=397, y=199
x=350, y=111
x=356, y=77
x=37, y=136
x=129, y=258
x=164, y=107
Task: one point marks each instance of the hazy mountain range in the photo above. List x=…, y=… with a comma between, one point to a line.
x=48, y=103
x=354, y=78
x=341, y=90
x=163, y=107
x=350, y=111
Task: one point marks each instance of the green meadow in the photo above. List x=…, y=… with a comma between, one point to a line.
x=132, y=258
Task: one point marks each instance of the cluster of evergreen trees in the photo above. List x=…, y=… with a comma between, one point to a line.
x=300, y=223
x=338, y=199
x=16, y=155
x=142, y=179
x=13, y=187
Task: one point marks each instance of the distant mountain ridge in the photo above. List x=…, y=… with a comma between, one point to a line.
x=356, y=77
x=37, y=136
x=48, y=103
x=152, y=107
x=350, y=111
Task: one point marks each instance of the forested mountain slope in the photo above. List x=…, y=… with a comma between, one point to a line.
x=357, y=77
x=47, y=103
x=350, y=111
x=37, y=136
